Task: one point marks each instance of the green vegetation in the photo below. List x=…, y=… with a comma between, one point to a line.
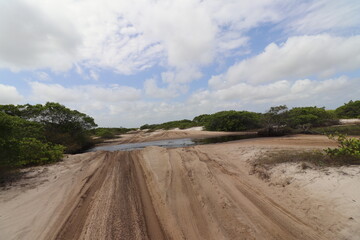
x=22, y=143
x=306, y=117
x=108, y=133
x=39, y=134
x=274, y=122
x=277, y=121
x=349, y=110
x=232, y=121
x=220, y=121
x=280, y=121
x=182, y=124
x=348, y=147
x=60, y=125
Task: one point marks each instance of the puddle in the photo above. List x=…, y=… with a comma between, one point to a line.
x=172, y=143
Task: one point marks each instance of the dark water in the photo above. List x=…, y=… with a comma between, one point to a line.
x=172, y=143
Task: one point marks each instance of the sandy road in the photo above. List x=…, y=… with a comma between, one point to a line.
x=201, y=192
x=198, y=198
x=112, y=203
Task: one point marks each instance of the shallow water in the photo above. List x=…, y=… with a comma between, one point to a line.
x=172, y=143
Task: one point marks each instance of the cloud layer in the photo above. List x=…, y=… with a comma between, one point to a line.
x=298, y=57
x=185, y=57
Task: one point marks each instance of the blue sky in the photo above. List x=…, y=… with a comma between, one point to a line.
x=127, y=63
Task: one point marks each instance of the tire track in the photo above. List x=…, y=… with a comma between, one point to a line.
x=130, y=213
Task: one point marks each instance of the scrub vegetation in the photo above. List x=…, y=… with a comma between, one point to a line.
x=108, y=133
x=38, y=134
x=277, y=121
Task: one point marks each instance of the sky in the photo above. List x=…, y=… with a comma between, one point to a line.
x=128, y=63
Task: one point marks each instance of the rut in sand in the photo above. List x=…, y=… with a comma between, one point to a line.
x=160, y=193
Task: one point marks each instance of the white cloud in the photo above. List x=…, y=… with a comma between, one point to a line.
x=324, y=15
x=33, y=39
x=125, y=36
x=83, y=94
x=298, y=57
x=9, y=95
x=284, y=91
x=184, y=28
x=260, y=97
x=153, y=91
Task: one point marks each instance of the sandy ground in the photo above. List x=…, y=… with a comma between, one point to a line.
x=200, y=192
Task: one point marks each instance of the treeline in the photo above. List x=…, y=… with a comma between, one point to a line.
x=182, y=124
x=38, y=134
x=277, y=120
x=108, y=133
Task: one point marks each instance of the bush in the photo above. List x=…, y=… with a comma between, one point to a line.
x=104, y=133
x=31, y=151
x=59, y=125
x=182, y=124
x=233, y=121
x=22, y=143
x=274, y=122
x=306, y=117
x=348, y=147
x=349, y=110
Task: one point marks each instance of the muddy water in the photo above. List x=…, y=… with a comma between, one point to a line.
x=172, y=143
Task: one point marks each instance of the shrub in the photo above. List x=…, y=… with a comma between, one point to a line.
x=306, y=117
x=31, y=151
x=349, y=110
x=233, y=121
x=22, y=143
x=347, y=146
x=59, y=125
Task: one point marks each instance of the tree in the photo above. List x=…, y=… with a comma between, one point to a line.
x=22, y=143
x=275, y=121
x=61, y=125
x=233, y=121
x=307, y=117
x=349, y=110
x=202, y=119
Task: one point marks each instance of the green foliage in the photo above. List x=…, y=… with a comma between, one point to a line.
x=349, y=110
x=233, y=121
x=202, y=120
x=182, y=124
x=107, y=133
x=274, y=122
x=104, y=133
x=60, y=125
x=30, y=151
x=22, y=143
x=347, y=147
x=307, y=117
